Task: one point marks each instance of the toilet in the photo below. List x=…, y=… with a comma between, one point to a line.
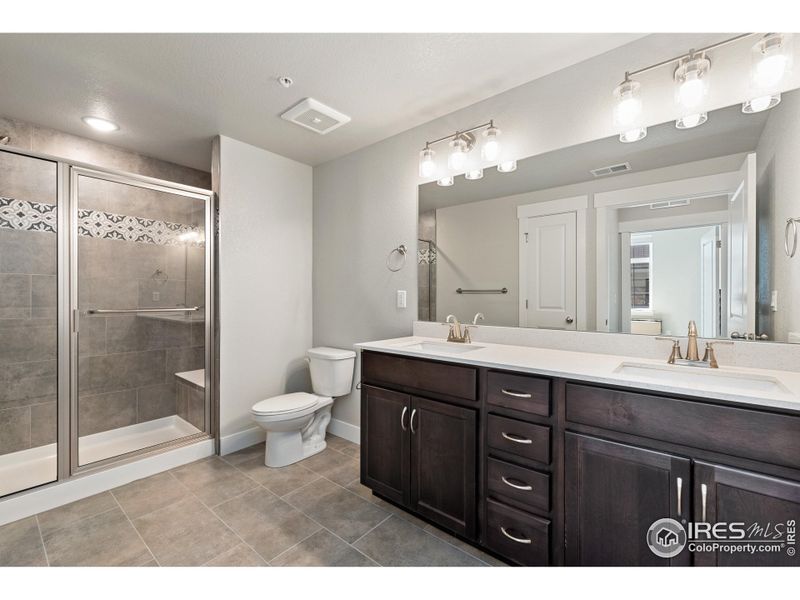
x=296, y=423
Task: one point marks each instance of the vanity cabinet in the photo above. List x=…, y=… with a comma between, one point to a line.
x=421, y=454
x=547, y=471
x=613, y=493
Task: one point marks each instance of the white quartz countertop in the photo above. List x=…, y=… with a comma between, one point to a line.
x=761, y=387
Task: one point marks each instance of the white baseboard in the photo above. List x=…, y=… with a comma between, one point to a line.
x=348, y=431
x=58, y=494
x=241, y=439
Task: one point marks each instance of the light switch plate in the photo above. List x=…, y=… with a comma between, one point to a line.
x=156, y=296
x=401, y=298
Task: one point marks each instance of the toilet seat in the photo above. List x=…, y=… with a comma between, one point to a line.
x=285, y=404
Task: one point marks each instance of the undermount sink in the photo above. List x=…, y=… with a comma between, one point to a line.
x=698, y=377
x=442, y=347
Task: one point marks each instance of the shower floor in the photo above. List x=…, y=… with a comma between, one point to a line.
x=29, y=468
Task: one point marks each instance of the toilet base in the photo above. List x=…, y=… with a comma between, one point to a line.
x=284, y=448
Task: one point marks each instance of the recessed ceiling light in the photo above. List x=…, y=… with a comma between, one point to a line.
x=100, y=124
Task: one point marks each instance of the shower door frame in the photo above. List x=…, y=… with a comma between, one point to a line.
x=67, y=173
x=76, y=171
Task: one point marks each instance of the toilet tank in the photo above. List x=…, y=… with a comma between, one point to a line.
x=331, y=371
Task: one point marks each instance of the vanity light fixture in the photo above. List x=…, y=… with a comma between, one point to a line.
x=690, y=121
x=474, y=174
x=427, y=166
x=689, y=76
x=756, y=105
x=446, y=181
x=99, y=124
x=629, y=103
x=771, y=58
x=461, y=144
x=507, y=166
x=633, y=135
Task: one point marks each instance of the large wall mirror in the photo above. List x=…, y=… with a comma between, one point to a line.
x=640, y=238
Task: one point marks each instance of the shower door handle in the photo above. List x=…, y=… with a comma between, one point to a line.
x=127, y=311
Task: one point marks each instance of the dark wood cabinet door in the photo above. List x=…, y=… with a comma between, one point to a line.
x=614, y=493
x=443, y=464
x=385, y=453
x=768, y=508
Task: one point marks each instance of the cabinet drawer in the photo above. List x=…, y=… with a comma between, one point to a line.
x=520, y=438
x=528, y=488
x=419, y=374
x=520, y=537
x=755, y=434
x=519, y=392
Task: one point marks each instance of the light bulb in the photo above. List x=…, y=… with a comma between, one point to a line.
x=633, y=135
x=690, y=121
x=427, y=166
x=629, y=104
x=445, y=181
x=99, y=124
x=507, y=166
x=458, y=156
x=770, y=70
x=474, y=174
x=771, y=56
x=491, y=147
x=761, y=103
x=689, y=77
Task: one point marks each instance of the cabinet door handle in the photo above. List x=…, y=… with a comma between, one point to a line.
x=703, y=499
x=411, y=420
x=509, y=436
x=514, y=538
x=680, y=493
x=515, y=394
x=516, y=486
x=403, y=418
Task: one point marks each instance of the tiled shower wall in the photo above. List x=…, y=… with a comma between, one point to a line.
x=127, y=363
x=426, y=266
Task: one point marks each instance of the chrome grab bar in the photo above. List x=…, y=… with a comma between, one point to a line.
x=500, y=291
x=514, y=538
x=125, y=311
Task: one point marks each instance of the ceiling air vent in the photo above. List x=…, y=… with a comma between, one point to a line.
x=314, y=115
x=611, y=170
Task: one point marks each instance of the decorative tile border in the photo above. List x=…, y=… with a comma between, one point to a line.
x=24, y=215
x=427, y=256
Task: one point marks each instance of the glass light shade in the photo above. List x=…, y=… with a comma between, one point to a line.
x=771, y=60
x=491, y=146
x=427, y=166
x=507, y=166
x=474, y=174
x=692, y=86
x=629, y=104
x=458, y=155
x=633, y=135
x=693, y=120
x=755, y=105
x=445, y=181
x=770, y=70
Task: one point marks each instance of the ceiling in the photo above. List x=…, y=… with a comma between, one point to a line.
x=726, y=132
x=172, y=93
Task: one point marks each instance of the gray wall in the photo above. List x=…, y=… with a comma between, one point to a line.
x=365, y=203
x=118, y=357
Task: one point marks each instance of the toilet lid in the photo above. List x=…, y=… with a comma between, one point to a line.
x=285, y=404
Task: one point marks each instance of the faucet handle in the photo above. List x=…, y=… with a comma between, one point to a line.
x=709, y=355
x=676, y=348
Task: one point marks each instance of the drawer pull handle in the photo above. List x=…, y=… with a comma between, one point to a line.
x=514, y=538
x=403, y=419
x=703, y=501
x=516, y=486
x=680, y=494
x=515, y=438
x=515, y=394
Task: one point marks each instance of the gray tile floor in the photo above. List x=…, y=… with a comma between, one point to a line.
x=234, y=511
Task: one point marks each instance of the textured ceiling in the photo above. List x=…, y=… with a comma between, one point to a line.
x=172, y=93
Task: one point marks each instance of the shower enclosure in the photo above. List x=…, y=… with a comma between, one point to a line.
x=106, y=318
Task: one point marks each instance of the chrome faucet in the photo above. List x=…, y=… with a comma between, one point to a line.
x=692, y=356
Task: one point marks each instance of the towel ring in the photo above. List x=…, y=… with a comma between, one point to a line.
x=790, y=222
x=402, y=251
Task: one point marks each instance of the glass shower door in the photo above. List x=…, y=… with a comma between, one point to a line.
x=28, y=321
x=140, y=261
